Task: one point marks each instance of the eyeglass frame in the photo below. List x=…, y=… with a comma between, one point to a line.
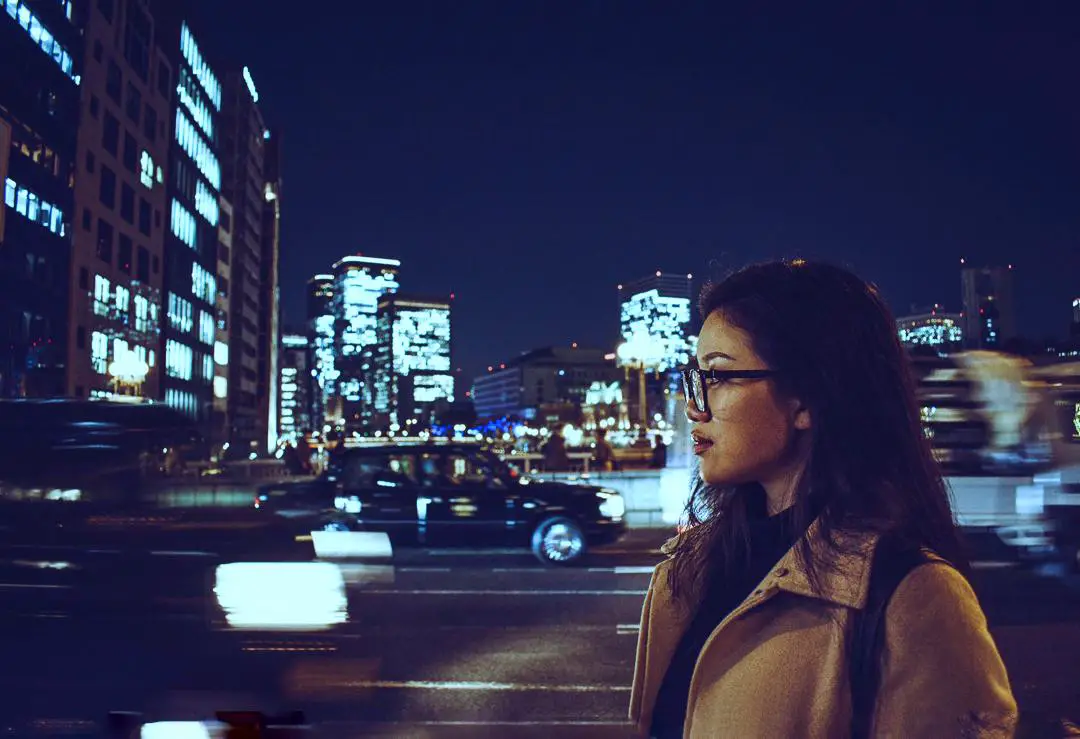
x=714, y=375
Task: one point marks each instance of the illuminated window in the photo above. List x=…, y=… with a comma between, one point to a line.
x=41, y=36
x=206, y=203
x=102, y=295
x=123, y=297
x=99, y=352
x=183, y=224
x=146, y=170
x=195, y=146
x=27, y=203
x=181, y=315
x=203, y=284
x=221, y=353
x=206, y=327
x=142, y=314
x=221, y=387
x=199, y=67
x=178, y=360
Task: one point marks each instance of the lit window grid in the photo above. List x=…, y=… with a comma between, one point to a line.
x=206, y=329
x=190, y=49
x=181, y=314
x=190, y=99
x=36, y=209
x=203, y=283
x=932, y=333
x=179, y=360
x=41, y=36
x=184, y=226
x=146, y=170
x=206, y=203
x=356, y=297
x=431, y=388
x=197, y=148
x=662, y=321
x=182, y=401
x=421, y=341
x=105, y=348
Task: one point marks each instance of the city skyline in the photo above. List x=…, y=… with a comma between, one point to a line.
x=530, y=160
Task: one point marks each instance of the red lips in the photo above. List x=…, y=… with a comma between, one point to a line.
x=701, y=443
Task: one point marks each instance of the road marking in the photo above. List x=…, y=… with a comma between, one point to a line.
x=424, y=569
x=483, y=686
x=644, y=570
x=993, y=565
x=370, y=726
x=181, y=553
x=627, y=628
x=29, y=585
x=504, y=592
x=474, y=552
x=519, y=569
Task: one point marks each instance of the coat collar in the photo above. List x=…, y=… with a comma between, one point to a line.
x=843, y=572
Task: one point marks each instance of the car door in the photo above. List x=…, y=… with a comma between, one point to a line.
x=463, y=502
x=379, y=487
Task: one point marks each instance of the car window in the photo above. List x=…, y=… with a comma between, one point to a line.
x=369, y=470
x=457, y=468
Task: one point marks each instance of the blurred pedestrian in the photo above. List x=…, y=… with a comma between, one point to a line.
x=820, y=589
x=604, y=456
x=555, y=456
x=659, y=454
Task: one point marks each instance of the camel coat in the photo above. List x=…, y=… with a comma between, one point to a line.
x=776, y=666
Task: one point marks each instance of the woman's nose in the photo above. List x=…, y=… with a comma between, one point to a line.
x=695, y=416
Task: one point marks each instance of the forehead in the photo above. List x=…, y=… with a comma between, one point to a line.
x=717, y=335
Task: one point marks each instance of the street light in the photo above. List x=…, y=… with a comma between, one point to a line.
x=128, y=370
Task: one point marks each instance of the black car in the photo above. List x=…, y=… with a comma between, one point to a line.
x=448, y=495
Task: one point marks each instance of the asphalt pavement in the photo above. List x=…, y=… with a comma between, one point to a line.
x=440, y=643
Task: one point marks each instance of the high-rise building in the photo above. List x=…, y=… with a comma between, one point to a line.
x=359, y=282
x=654, y=320
x=41, y=50
x=295, y=405
x=320, y=326
x=270, y=317
x=191, y=245
x=989, y=313
x=244, y=139
x=411, y=370
x=120, y=199
x=933, y=327
x=1075, y=328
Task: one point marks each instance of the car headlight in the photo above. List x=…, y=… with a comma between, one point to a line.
x=612, y=505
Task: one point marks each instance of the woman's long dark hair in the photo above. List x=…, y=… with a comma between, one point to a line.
x=834, y=345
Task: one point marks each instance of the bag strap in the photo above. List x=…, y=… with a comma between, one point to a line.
x=892, y=561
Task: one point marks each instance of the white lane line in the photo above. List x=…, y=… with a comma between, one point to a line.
x=482, y=686
x=503, y=592
x=181, y=553
x=474, y=552
x=519, y=569
x=29, y=585
x=643, y=570
x=424, y=569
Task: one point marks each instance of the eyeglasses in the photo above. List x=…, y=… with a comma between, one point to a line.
x=696, y=383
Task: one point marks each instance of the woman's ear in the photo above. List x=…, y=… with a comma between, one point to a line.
x=802, y=420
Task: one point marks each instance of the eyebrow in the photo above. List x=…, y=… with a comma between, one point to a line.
x=716, y=355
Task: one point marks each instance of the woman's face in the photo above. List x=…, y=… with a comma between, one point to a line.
x=753, y=434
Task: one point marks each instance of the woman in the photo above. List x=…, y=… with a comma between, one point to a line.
x=811, y=453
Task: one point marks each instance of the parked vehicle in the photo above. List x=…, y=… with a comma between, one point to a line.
x=448, y=495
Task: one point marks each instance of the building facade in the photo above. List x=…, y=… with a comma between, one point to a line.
x=296, y=396
x=359, y=283
x=120, y=201
x=40, y=74
x=933, y=328
x=989, y=312
x=654, y=321
x=549, y=385
x=320, y=327
x=220, y=416
x=243, y=142
x=270, y=317
x=191, y=244
x=411, y=365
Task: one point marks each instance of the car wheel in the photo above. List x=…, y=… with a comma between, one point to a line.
x=558, y=541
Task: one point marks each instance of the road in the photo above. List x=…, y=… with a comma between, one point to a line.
x=436, y=644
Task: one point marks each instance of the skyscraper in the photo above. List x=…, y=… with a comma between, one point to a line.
x=270, y=316
x=40, y=54
x=320, y=326
x=989, y=313
x=120, y=198
x=411, y=360
x=220, y=423
x=654, y=320
x=191, y=246
x=253, y=297
x=359, y=282
x=294, y=410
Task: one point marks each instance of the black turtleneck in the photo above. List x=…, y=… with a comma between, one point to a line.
x=770, y=538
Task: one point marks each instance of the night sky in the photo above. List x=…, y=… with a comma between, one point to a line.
x=529, y=156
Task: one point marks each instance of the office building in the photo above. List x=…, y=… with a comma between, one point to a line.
x=654, y=321
x=544, y=384
x=40, y=68
x=270, y=316
x=1074, y=328
x=411, y=360
x=359, y=283
x=295, y=404
x=244, y=138
x=933, y=328
x=120, y=199
x=320, y=327
x=191, y=244
x=989, y=318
